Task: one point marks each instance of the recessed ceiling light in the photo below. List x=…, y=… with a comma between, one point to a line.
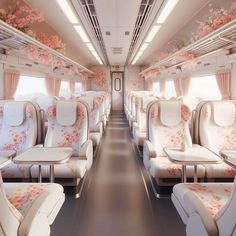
x=144, y=46
x=90, y=46
x=67, y=10
x=165, y=12
x=81, y=33
x=152, y=33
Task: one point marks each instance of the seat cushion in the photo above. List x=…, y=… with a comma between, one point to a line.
x=213, y=195
x=221, y=170
x=74, y=168
x=23, y=195
x=161, y=167
x=16, y=171
x=95, y=137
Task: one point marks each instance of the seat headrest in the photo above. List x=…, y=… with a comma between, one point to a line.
x=223, y=113
x=14, y=113
x=66, y=113
x=170, y=112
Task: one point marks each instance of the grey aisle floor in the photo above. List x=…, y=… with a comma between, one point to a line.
x=115, y=201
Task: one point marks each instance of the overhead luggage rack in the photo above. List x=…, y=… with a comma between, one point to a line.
x=222, y=38
x=13, y=39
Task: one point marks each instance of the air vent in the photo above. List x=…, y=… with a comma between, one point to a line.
x=90, y=13
x=144, y=12
x=108, y=33
x=126, y=33
x=117, y=50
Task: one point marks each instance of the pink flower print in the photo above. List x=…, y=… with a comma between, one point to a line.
x=186, y=113
x=36, y=190
x=51, y=112
x=68, y=139
x=30, y=112
x=154, y=111
x=199, y=188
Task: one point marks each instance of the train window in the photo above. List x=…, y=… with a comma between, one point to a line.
x=156, y=87
x=64, y=89
x=30, y=88
x=170, y=89
x=77, y=87
x=204, y=87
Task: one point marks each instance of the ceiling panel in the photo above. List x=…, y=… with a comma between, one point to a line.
x=117, y=17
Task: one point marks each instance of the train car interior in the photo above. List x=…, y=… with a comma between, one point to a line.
x=117, y=117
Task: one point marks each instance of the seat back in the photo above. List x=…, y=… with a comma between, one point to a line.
x=226, y=217
x=10, y=217
x=168, y=124
x=19, y=126
x=217, y=125
x=68, y=125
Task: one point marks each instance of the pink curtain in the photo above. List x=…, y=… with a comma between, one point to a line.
x=223, y=79
x=57, y=87
x=177, y=87
x=11, y=80
x=72, y=86
x=185, y=83
x=162, y=86
x=49, y=83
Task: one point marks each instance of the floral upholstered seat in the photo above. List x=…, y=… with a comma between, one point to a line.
x=29, y=209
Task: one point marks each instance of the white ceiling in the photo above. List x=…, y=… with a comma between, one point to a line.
x=117, y=16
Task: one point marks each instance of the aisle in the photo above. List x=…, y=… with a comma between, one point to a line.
x=116, y=202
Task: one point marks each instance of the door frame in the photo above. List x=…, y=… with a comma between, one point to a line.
x=122, y=87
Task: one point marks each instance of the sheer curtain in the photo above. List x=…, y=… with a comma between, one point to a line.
x=57, y=87
x=177, y=87
x=11, y=80
x=72, y=86
x=185, y=83
x=49, y=83
x=162, y=86
x=223, y=79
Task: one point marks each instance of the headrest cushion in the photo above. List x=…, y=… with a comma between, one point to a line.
x=170, y=112
x=14, y=113
x=224, y=113
x=66, y=113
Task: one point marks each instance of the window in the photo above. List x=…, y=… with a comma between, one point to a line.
x=77, y=87
x=30, y=87
x=64, y=89
x=156, y=87
x=170, y=89
x=204, y=87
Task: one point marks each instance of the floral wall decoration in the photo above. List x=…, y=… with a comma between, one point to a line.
x=100, y=77
x=84, y=76
x=217, y=18
x=23, y=17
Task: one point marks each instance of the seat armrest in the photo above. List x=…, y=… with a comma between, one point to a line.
x=8, y=153
x=196, y=207
x=148, y=153
x=149, y=149
x=98, y=128
x=35, y=222
x=86, y=153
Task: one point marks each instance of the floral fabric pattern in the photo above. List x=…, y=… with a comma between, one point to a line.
x=212, y=199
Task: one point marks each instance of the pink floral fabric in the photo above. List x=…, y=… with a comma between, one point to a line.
x=23, y=196
x=213, y=199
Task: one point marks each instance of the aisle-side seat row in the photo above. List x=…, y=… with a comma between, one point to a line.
x=214, y=128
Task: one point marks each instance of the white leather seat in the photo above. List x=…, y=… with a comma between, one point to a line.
x=28, y=209
x=19, y=131
x=68, y=127
x=167, y=127
x=208, y=209
x=217, y=125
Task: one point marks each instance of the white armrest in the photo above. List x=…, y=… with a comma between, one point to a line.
x=86, y=153
x=148, y=153
x=199, y=216
x=35, y=223
x=98, y=128
x=149, y=149
x=7, y=153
